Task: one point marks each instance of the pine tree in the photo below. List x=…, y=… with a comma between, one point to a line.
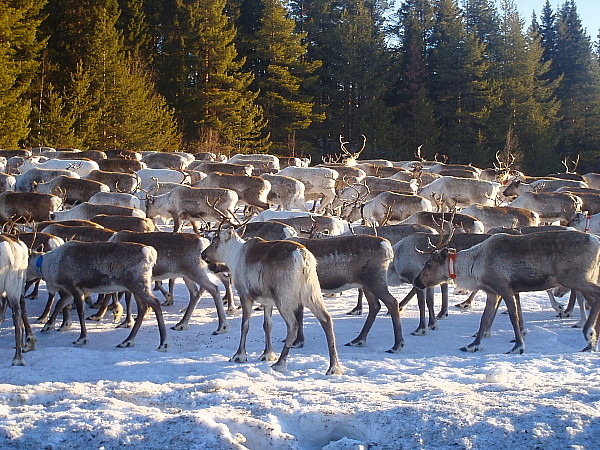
x=415, y=118
x=110, y=100
x=282, y=75
x=134, y=27
x=579, y=88
x=528, y=110
x=462, y=93
x=19, y=51
x=214, y=105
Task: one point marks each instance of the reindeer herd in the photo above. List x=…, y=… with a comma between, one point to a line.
x=282, y=232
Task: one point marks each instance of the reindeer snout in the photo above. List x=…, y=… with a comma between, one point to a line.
x=419, y=284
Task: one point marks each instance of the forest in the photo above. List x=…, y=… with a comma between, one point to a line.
x=460, y=79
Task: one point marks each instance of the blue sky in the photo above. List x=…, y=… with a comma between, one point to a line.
x=589, y=12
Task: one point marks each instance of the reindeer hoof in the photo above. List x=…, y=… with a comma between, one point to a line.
x=395, y=350
x=163, y=347
x=442, y=315
x=279, y=366
x=18, y=362
x=516, y=350
x=126, y=324
x=29, y=344
x=81, y=341
x=180, y=327
x=356, y=343
x=95, y=318
x=336, y=369
x=220, y=330
x=238, y=358
x=470, y=348
x=268, y=356
x=419, y=332
x=355, y=312
x=41, y=320
x=65, y=327
x=125, y=344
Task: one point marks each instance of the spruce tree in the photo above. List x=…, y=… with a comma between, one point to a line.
x=282, y=75
x=528, y=110
x=218, y=109
x=579, y=88
x=414, y=113
x=462, y=92
x=19, y=51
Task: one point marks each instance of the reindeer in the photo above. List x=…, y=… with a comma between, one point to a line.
x=120, y=165
x=550, y=206
x=461, y=192
x=286, y=192
x=125, y=223
x=167, y=160
x=387, y=207
x=449, y=220
x=86, y=210
x=409, y=259
x=178, y=255
x=252, y=191
x=116, y=181
x=274, y=273
x=504, y=265
x=319, y=183
x=13, y=266
x=215, y=166
x=502, y=216
x=103, y=267
x=75, y=190
x=359, y=261
x=193, y=204
x=32, y=206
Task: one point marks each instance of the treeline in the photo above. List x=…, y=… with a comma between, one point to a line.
x=464, y=79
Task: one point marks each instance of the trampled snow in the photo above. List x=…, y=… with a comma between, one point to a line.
x=430, y=395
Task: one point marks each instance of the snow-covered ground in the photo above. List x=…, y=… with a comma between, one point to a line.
x=431, y=395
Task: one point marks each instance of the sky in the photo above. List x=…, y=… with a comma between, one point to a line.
x=589, y=12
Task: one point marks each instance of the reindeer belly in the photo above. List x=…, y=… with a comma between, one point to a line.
x=529, y=279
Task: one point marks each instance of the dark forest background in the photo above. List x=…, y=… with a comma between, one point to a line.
x=465, y=79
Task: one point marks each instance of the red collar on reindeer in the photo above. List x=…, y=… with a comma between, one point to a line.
x=452, y=263
x=588, y=218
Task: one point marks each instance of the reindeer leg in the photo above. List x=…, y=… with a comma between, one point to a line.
x=429, y=301
x=36, y=286
x=468, y=303
x=592, y=324
x=17, y=319
x=30, y=339
x=240, y=355
x=128, y=322
x=357, y=310
x=78, y=298
x=444, y=310
x=46, y=313
x=489, y=312
x=299, y=341
x=103, y=307
x=320, y=312
x=513, y=306
x=268, y=354
x=571, y=305
x=292, y=331
x=582, y=316
x=374, y=307
x=407, y=298
x=62, y=304
x=194, y=297
x=421, y=328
